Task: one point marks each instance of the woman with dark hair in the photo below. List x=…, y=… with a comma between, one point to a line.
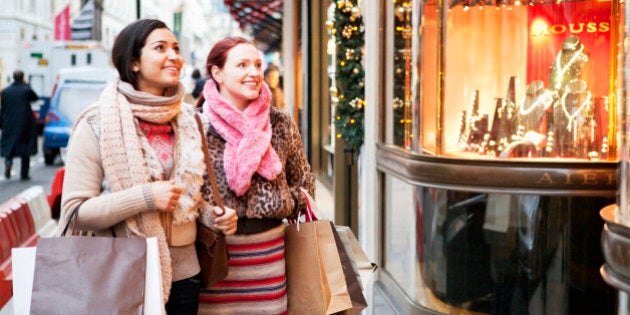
x=262, y=171
x=135, y=166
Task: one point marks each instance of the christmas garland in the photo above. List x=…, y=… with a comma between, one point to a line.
x=349, y=74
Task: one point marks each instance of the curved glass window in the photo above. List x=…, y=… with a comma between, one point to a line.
x=499, y=151
x=459, y=252
x=506, y=79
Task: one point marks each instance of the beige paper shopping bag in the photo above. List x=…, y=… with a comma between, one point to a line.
x=315, y=279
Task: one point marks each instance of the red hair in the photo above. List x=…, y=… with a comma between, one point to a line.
x=218, y=55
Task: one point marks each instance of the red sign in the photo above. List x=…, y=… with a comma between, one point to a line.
x=551, y=24
x=62, y=24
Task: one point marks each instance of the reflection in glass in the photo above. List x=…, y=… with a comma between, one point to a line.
x=400, y=239
x=331, y=51
x=485, y=253
x=401, y=103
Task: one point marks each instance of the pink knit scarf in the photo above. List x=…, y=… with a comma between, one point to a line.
x=247, y=134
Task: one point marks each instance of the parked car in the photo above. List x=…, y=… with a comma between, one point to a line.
x=54, y=198
x=76, y=90
x=40, y=106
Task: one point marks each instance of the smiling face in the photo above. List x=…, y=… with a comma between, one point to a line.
x=240, y=79
x=160, y=63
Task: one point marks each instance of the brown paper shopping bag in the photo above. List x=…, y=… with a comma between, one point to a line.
x=95, y=275
x=23, y=260
x=361, y=265
x=315, y=280
x=352, y=281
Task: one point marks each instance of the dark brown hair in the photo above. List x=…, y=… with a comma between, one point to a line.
x=128, y=46
x=18, y=76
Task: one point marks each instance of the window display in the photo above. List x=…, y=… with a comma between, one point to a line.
x=401, y=103
x=520, y=80
x=512, y=152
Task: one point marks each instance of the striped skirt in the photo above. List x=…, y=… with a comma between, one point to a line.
x=256, y=281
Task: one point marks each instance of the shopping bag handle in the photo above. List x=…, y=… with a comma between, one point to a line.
x=71, y=218
x=309, y=214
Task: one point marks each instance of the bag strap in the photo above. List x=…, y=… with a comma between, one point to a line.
x=309, y=214
x=213, y=180
x=71, y=218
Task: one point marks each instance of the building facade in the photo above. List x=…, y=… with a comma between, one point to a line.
x=198, y=24
x=22, y=21
x=493, y=136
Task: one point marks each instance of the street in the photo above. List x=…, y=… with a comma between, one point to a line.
x=40, y=175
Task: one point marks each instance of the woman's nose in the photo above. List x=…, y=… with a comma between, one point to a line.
x=173, y=54
x=253, y=70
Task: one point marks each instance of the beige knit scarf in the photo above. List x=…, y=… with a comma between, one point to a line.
x=128, y=159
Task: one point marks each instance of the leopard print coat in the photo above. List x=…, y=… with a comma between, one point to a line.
x=279, y=198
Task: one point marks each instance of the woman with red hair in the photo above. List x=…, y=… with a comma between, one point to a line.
x=261, y=170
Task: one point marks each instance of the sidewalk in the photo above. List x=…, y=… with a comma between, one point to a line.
x=325, y=201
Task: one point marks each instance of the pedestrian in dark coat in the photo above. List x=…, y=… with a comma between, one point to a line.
x=199, y=83
x=19, y=130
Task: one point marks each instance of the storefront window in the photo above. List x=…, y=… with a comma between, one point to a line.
x=459, y=252
x=400, y=233
x=530, y=92
x=507, y=79
x=401, y=102
x=331, y=51
x=399, y=71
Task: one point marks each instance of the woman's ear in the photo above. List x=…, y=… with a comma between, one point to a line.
x=217, y=74
x=135, y=66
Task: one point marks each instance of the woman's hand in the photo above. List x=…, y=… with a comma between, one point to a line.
x=225, y=222
x=165, y=195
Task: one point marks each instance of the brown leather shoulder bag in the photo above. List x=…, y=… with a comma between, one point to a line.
x=211, y=247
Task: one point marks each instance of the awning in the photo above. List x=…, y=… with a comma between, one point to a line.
x=82, y=26
x=263, y=19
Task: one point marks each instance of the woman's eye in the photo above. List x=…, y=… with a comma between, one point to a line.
x=159, y=47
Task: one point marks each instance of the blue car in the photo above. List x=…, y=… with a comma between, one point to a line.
x=71, y=97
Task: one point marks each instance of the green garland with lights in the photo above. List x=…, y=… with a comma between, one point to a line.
x=398, y=104
x=349, y=73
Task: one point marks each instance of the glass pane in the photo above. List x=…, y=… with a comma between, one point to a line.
x=331, y=50
x=519, y=80
x=401, y=101
x=623, y=203
x=400, y=233
x=426, y=95
x=513, y=254
x=457, y=252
